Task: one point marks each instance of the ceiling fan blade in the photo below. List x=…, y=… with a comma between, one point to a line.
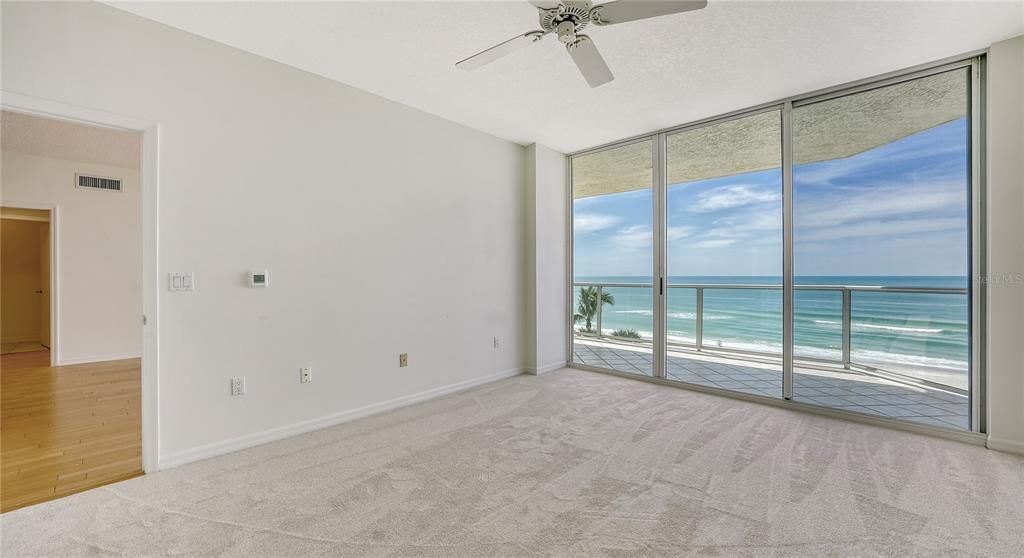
x=621, y=11
x=499, y=50
x=545, y=4
x=584, y=53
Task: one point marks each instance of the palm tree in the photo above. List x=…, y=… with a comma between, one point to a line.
x=587, y=307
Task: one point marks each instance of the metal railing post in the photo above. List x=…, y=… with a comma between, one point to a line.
x=699, y=337
x=847, y=326
x=600, y=306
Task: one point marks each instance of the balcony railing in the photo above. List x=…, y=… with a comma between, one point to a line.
x=846, y=312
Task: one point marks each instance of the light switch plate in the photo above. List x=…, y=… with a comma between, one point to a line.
x=181, y=281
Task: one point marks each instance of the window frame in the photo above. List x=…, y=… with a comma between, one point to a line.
x=977, y=296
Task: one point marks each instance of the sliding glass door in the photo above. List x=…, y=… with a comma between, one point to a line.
x=820, y=250
x=882, y=249
x=613, y=240
x=724, y=254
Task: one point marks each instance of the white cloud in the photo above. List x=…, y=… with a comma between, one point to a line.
x=888, y=230
x=880, y=203
x=714, y=243
x=736, y=195
x=591, y=222
x=635, y=237
x=749, y=222
x=749, y=226
x=825, y=173
x=677, y=233
x=642, y=237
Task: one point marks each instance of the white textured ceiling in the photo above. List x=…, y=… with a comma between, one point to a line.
x=669, y=70
x=60, y=139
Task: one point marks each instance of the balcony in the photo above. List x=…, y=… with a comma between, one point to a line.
x=837, y=375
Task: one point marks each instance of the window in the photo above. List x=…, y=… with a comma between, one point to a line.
x=881, y=224
x=724, y=239
x=818, y=250
x=613, y=234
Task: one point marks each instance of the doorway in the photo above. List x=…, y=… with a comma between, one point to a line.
x=72, y=305
x=26, y=321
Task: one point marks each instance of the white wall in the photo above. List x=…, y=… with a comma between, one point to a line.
x=99, y=249
x=547, y=249
x=1005, y=247
x=384, y=229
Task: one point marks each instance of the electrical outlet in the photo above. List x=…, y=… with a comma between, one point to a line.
x=238, y=385
x=403, y=360
x=496, y=342
x=305, y=375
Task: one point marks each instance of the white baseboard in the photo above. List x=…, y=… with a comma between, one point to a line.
x=545, y=368
x=259, y=438
x=1001, y=444
x=99, y=358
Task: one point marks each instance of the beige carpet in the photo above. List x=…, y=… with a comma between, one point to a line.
x=570, y=463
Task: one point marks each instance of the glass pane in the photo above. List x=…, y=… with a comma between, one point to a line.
x=724, y=234
x=881, y=211
x=818, y=324
x=918, y=334
x=682, y=316
x=613, y=205
x=746, y=320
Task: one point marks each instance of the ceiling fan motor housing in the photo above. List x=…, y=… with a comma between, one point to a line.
x=566, y=20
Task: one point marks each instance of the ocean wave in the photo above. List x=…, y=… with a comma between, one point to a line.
x=680, y=339
x=676, y=315
x=641, y=312
x=877, y=357
x=882, y=358
x=900, y=329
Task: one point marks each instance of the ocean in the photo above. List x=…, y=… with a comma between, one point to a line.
x=898, y=331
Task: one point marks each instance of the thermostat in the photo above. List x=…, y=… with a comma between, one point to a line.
x=258, y=278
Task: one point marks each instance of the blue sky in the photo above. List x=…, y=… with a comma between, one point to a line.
x=898, y=209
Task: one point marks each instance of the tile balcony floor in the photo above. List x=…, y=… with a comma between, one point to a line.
x=849, y=391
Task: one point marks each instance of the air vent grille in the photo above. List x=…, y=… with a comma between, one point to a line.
x=98, y=183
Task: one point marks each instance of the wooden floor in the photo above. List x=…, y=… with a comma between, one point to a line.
x=66, y=429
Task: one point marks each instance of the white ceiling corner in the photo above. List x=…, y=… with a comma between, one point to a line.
x=668, y=70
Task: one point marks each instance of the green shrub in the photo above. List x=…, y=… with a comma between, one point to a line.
x=628, y=333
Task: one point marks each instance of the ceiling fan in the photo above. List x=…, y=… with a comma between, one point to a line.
x=567, y=18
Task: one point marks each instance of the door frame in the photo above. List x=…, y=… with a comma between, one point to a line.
x=149, y=167
x=54, y=287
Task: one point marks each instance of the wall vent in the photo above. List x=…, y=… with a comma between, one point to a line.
x=97, y=183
